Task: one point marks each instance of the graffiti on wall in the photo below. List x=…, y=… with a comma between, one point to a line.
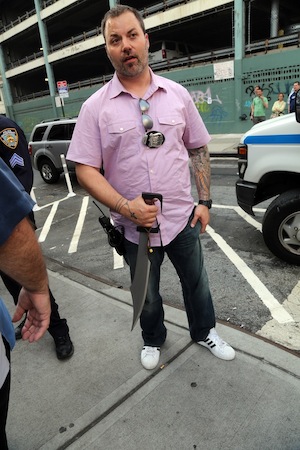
x=270, y=90
x=207, y=104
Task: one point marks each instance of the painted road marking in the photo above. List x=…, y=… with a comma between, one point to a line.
x=276, y=309
x=48, y=222
x=78, y=229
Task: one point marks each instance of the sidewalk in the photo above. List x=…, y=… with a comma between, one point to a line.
x=224, y=144
x=102, y=398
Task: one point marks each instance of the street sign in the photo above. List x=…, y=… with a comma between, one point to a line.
x=62, y=87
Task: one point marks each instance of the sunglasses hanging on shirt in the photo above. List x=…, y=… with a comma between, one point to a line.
x=152, y=139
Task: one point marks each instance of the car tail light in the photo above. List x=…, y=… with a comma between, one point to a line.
x=164, y=53
x=30, y=150
x=242, y=162
x=242, y=151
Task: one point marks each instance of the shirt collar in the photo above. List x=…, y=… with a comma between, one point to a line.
x=117, y=87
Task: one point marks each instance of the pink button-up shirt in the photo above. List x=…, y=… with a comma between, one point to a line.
x=109, y=130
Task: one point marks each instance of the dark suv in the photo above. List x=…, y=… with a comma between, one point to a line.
x=48, y=140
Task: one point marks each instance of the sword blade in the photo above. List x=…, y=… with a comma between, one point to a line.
x=139, y=284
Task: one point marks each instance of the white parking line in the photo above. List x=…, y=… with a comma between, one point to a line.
x=48, y=222
x=118, y=260
x=248, y=218
x=78, y=229
x=276, y=309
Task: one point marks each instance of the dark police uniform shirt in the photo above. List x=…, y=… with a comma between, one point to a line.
x=14, y=151
x=293, y=101
x=15, y=204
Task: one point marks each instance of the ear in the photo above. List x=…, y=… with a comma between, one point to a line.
x=147, y=40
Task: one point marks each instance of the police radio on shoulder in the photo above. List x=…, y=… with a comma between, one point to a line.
x=207, y=203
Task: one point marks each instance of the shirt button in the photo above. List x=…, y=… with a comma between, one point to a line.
x=121, y=129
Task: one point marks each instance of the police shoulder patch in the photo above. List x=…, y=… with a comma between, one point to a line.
x=9, y=137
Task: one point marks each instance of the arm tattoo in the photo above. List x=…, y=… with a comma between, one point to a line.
x=201, y=168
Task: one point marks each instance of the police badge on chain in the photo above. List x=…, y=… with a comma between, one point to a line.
x=9, y=137
x=153, y=139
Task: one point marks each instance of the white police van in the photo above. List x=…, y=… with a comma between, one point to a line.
x=269, y=166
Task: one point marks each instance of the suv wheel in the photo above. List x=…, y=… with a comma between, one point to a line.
x=48, y=171
x=281, y=227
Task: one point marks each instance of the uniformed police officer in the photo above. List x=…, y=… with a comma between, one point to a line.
x=14, y=152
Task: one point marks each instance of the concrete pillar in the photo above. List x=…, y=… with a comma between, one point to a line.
x=113, y=3
x=274, y=18
x=45, y=45
x=239, y=53
x=6, y=92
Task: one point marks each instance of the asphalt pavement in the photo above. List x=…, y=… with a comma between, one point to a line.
x=102, y=398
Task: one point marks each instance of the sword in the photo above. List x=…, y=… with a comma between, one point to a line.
x=139, y=284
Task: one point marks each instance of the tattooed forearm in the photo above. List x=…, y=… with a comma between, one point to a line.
x=201, y=168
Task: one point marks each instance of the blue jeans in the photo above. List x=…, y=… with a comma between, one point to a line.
x=185, y=253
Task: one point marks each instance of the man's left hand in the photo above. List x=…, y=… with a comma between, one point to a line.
x=202, y=214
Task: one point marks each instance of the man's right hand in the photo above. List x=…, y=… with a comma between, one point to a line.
x=37, y=305
x=140, y=212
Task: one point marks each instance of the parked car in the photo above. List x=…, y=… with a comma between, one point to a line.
x=48, y=140
x=161, y=50
x=269, y=167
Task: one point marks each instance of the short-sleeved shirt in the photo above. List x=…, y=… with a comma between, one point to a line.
x=259, y=109
x=15, y=204
x=109, y=131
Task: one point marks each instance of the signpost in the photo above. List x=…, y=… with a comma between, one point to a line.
x=62, y=87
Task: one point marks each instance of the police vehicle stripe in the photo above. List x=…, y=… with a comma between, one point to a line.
x=274, y=139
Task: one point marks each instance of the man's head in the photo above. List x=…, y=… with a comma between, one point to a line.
x=127, y=43
x=256, y=87
x=116, y=12
x=259, y=92
x=296, y=86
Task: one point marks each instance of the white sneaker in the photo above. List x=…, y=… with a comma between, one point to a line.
x=150, y=357
x=217, y=346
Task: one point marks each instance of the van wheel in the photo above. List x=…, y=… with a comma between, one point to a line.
x=48, y=171
x=281, y=227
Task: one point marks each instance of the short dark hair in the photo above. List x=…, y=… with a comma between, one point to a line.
x=116, y=12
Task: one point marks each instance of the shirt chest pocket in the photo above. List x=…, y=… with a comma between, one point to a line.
x=171, y=120
x=172, y=126
x=121, y=133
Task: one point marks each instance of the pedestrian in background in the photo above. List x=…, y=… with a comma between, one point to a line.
x=278, y=106
x=21, y=259
x=292, y=97
x=14, y=152
x=145, y=129
x=258, y=107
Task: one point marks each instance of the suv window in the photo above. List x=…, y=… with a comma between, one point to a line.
x=39, y=133
x=61, y=132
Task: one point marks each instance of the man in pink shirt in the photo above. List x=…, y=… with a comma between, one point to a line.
x=143, y=129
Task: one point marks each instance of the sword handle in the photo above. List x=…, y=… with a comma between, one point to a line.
x=150, y=196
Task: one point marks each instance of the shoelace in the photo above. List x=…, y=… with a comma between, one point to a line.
x=61, y=340
x=215, y=338
x=150, y=351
